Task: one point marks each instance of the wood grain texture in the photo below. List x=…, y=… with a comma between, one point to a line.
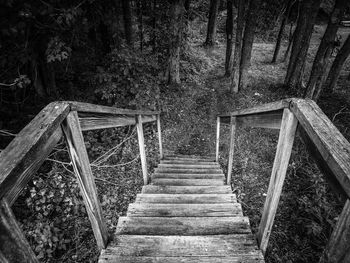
x=141, y=141
x=188, y=170
x=231, y=151
x=184, y=210
x=21, y=158
x=14, y=247
x=331, y=144
x=159, y=130
x=164, y=161
x=190, y=159
x=189, y=166
x=82, y=169
x=183, y=226
x=217, y=142
x=193, y=182
x=166, y=189
x=188, y=176
x=279, y=169
x=186, y=198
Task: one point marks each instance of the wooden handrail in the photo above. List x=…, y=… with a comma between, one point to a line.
x=324, y=142
x=28, y=150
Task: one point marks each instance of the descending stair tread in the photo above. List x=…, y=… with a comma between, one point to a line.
x=166, y=189
x=187, y=162
x=189, y=166
x=164, y=181
x=186, y=198
x=184, y=170
x=184, y=210
x=175, y=246
x=183, y=225
x=198, y=160
x=188, y=176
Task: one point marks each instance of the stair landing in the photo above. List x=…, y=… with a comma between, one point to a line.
x=187, y=214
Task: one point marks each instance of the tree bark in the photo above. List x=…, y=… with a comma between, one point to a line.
x=175, y=39
x=212, y=23
x=325, y=49
x=302, y=36
x=154, y=26
x=241, y=5
x=140, y=17
x=280, y=32
x=338, y=63
x=127, y=22
x=248, y=39
x=229, y=38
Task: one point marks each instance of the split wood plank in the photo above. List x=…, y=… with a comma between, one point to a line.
x=189, y=166
x=231, y=151
x=166, y=189
x=159, y=130
x=141, y=141
x=82, y=169
x=189, y=170
x=217, y=143
x=186, y=198
x=188, y=176
x=164, y=161
x=193, y=182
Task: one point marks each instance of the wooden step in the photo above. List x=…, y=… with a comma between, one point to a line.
x=195, y=160
x=239, y=245
x=184, y=210
x=188, y=176
x=163, y=181
x=189, y=166
x=186, y=198
x=190, y=156
x=184, y=226
x=165, y=189
x=186, y=162
x=188, y=171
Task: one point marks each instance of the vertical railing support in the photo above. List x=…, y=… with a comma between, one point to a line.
x=280, y=165
x=217, y=138
x=338, y=248
x=80, y=161
x=160, y=137
x=232, y=148
x=141, y=140
x=14, y=247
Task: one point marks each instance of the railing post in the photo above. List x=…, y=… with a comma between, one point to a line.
x=82, y=169
x=280, y=165
x=160, y=137
x=232, y=147
x=13, y=245
x=217, y=138
x=141, y=140
x=338, y=248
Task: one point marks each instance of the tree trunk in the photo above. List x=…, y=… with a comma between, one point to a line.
x=280, y=32
x=325, y=49
x=140, y=16
x=302, y=36
x=238, y=46
x=338, y=63
x=212, y=23
x=290, y=40
x=229, y=38
x=248, y=39
x=154, y=26
x=175, y=39
x=127, y=22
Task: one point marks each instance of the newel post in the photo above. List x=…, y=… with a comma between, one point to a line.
x=141, y=140
x=217, y=138
x=160, y=137
x=80, y=161
x=232, y=147
x=279, y=169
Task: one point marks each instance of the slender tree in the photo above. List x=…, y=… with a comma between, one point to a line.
x=212, y=23
x=140, y=18
x=325, y=49
x=229, y=38
x=338, y=63
x=301, y=41
x=281, y=30
x=128, y=22
x=175, y=39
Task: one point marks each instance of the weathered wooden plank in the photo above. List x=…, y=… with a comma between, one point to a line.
x=88, y=107
x=184, y=210
x=188, y=176
x=91, y=121
x=186, y=198
x=189, y=166
x=231, y=151
x=273, y=106
x=184, y=226
x=174, y=246
x=185, y=162
x=107, y=257
x=141, y=141
x=279, y=169
x=338, y=248
x=14, y=247
x=37, y=160
x=159, y=130
x=333, y=147
x=82, y=169
x=217, y=142
x=185, y=171
x=190, y=159
x=16, y=161
x=164, y=189
x=166, y=181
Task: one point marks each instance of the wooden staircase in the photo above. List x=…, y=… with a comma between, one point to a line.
x=186, y=214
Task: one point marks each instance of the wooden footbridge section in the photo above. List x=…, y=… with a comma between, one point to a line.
x=186, y=211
